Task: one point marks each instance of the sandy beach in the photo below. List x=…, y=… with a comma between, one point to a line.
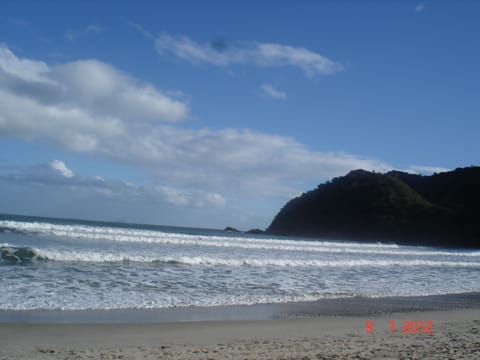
x=455, y=334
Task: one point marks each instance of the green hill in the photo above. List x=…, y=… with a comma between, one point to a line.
x=442, y=209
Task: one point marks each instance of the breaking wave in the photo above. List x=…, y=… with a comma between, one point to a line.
x=112, y=234
x=89, y=265
x=23, y=255
x=18, y=255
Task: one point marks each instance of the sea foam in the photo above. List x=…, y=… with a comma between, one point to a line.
x=82, y=265
x=158, y=237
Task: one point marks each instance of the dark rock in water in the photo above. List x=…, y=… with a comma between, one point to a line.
x=442, y=209
x=255, y=231
x=230, y=229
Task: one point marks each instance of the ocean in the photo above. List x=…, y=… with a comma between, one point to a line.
x=59, y=264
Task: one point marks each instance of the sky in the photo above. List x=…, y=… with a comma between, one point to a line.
x=216, y=113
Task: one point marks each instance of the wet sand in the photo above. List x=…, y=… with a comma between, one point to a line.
x=350, y=306
x=305, y=332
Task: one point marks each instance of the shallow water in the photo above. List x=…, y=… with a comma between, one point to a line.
x=68, y=264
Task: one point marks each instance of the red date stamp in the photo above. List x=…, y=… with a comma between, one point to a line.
x=408, y=327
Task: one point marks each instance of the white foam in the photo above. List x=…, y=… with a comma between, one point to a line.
x=119, y=301
x=116, y=299
x=92, y=267
x=113, y=234
x=94, y=256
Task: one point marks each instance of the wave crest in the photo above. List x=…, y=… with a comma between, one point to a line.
x=18, y=255
x=24, y=255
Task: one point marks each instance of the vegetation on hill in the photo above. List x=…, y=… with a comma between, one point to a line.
x=442, y=209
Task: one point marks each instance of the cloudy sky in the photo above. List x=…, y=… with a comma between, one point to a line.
x=211, y=114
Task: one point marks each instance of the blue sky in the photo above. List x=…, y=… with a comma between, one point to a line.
x=216, y=113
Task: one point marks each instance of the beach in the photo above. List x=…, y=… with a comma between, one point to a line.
x=74, y=289
x=448, y=327
x=454, y=335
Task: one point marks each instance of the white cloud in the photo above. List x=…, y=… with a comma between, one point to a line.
x=73, y=35
x=94, y=28
x=310, y=62
x=272, y=92
x=186, y=197
x=92, y=108
x=419, y=8
x=40, y=190
x=57, y=174
x=84, y=94
x=25, y=69
x=139, y=28
x=60, y=167
x=214, y=199
x=427, y=169
x=220, y=53
x=105, y=90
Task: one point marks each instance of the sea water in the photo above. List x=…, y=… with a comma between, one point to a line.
x=70, y=264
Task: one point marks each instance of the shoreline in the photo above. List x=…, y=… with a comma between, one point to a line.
x=336, y=307
x=454, y=334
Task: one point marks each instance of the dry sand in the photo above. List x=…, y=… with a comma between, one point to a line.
x=455, y=335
